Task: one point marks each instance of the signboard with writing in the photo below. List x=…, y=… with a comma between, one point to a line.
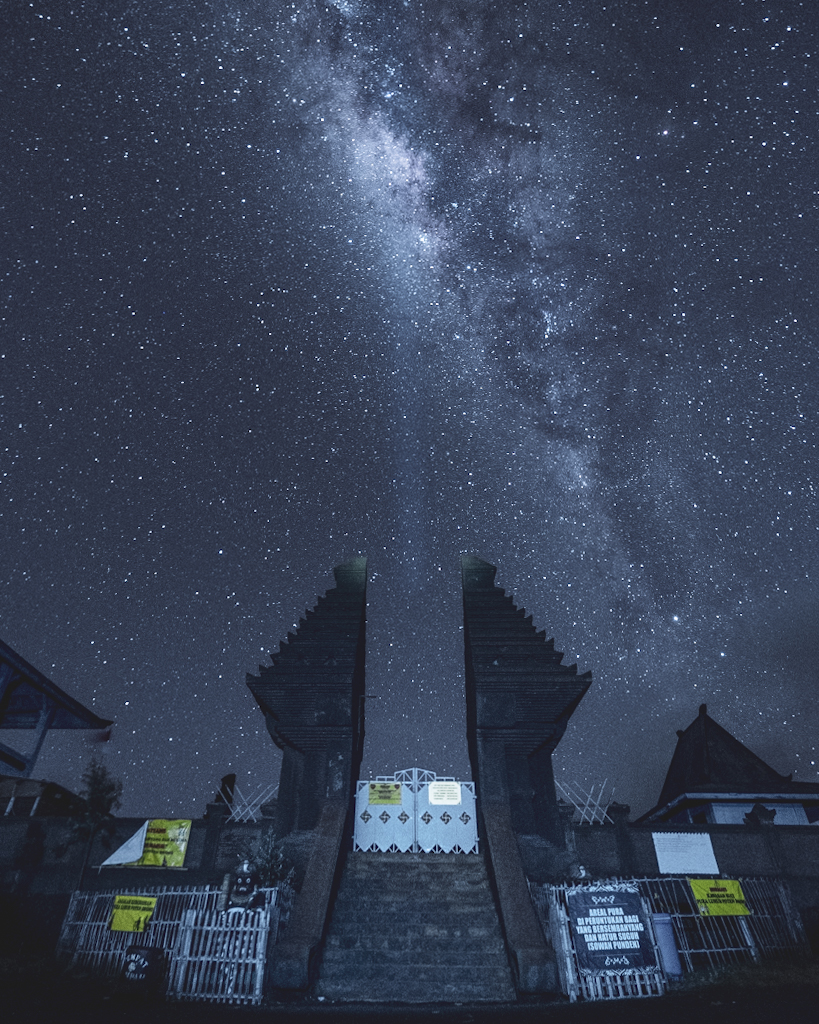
x=685, y=853
x=609, y=930
x=131, y=913
x=444, y=792
x=166, y=843
x=385, y=793
x=718, y=897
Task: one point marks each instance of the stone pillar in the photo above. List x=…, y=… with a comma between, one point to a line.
x=519, y=698
x=312, y=699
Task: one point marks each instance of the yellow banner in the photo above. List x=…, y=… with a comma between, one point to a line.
x=718, y=897
x=385, y=793
x=131, y=913
x=165, y=844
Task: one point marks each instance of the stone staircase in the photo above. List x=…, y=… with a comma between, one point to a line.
x=415, y=928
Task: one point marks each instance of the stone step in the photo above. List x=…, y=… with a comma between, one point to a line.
x=491, y=953
x=347, y=932
x=459, y=984
x=409, y=942
x=377, y=860
x=418, y=878
x=392, y=894
x=417, y=912
x=413, y=931
x=464, y=880
x=415, y=928
x=419, y=884
x=416, y=924
x=401, y=973
x=422, y=897
x=449, y=877
x=456, y=883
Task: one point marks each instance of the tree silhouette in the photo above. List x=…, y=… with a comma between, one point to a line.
x=101, y=793
x=100, y=790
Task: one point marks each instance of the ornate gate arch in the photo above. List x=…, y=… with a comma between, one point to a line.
x=415, y=811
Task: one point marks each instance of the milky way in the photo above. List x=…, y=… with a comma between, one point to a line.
x=289, y=283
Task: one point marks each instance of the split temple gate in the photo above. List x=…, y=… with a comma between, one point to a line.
x=361, y=924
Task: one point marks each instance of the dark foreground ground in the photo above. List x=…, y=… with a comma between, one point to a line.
x=787, y=1006
x=37, y=998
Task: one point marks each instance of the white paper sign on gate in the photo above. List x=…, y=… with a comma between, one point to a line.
x=447, y=828
x=444, y=793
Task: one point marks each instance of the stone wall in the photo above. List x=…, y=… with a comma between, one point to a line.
x=40, y=867
x=786, y=852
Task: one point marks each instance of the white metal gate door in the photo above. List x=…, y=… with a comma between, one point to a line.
x=415, y=811
x=384, y=816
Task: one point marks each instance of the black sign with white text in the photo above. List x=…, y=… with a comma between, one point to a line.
x=609, y=930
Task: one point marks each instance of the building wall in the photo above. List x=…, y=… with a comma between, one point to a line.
x=40, y=867
x=786, y=852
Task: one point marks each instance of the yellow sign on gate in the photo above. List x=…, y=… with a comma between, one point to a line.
x=718, y=897
x=385, y=793
x=131, y=913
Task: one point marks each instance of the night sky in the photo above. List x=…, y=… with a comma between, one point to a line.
x=285, y=283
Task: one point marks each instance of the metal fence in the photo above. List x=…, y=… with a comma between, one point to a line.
x=772, y=929
x=211, y=954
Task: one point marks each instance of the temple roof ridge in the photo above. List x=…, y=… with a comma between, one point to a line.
x=708, y=758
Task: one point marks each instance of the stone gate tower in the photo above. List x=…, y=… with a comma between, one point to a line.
x=312, y=697
x=519, y=698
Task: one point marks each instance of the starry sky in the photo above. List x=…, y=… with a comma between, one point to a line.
x=285, y=283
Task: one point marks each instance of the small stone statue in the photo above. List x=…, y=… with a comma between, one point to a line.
x=760, y=815
x=240, y=890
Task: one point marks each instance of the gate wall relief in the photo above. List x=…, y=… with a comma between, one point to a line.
x=415, y=811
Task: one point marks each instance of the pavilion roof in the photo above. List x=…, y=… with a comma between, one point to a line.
x=28, y=693
x=709, y=759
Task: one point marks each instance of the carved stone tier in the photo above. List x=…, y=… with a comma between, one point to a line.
x=312, y=699
x=519, y=698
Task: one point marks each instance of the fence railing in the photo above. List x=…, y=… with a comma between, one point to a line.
x=211, y=954
x=772, y=929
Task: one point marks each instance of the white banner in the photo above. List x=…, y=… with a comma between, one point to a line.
x=130, y=851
